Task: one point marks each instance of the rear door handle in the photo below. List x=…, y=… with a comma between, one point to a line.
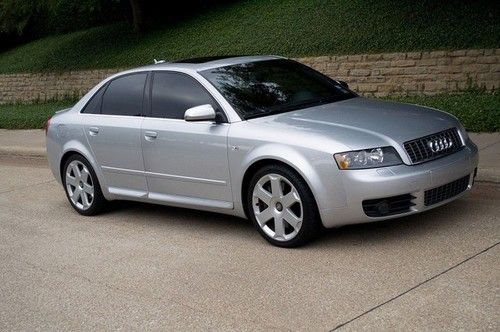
x=150, y=135
x=93, y=131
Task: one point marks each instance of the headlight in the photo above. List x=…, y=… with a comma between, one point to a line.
x=370, y=158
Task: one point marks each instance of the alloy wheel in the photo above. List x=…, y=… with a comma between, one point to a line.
x=277, y=207
x=79, y=185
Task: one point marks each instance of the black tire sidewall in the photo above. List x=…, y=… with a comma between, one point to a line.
x=311, y=221
x=98, y=201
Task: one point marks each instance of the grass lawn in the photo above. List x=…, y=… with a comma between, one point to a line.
x=284, y=27
x=30, y=116
x=477, y=111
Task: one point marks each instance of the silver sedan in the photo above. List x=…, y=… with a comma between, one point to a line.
x=260, y=137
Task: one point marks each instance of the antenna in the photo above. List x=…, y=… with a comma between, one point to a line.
x=158, y=61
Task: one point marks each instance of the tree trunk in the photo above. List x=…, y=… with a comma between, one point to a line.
x=137, y=14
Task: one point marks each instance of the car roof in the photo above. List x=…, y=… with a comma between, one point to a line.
x=205, y=59
x=203, y=63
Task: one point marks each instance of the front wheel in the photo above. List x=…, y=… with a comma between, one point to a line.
x=282, y=206
x=82, y=187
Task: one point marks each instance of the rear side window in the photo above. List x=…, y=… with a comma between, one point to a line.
x=124, y=95
x=174, y=93
x=94, y=104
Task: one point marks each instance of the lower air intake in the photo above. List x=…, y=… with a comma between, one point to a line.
x=388, y=206
x=446, y=191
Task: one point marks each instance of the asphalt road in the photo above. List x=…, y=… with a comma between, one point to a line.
x=150, y=267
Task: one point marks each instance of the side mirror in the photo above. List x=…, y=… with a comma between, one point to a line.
x=200, y=113
x=343, y=84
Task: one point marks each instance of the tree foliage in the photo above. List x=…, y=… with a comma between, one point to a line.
x=15, y=15
x=25, y=20
x=43, y=17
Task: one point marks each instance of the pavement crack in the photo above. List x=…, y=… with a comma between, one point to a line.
x=489, y=145
x=145, y=295
x=414, y=287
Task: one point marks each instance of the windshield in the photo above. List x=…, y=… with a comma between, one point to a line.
x=274, y=86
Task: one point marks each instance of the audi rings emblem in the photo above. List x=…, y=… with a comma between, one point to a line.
x=440, y=144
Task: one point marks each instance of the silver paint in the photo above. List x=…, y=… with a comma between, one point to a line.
x=202, y=164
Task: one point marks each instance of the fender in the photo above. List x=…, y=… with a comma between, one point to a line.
x=289, y=156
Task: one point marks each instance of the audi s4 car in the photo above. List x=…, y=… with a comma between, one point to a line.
x=258, y=137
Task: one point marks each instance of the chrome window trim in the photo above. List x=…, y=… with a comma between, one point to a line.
x=184, y=121
x=114, y=115
x=228, y=110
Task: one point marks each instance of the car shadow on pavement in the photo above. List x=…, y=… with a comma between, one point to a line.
x=417, y=227
x=178, y=217
x=408, y=228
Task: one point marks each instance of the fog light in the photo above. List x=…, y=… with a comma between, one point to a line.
x=383, y=207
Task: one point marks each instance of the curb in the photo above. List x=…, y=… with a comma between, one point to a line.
x=16, y=151
x=484, y=174
x=487, y=174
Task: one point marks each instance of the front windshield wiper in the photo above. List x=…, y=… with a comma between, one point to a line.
x=280, y=110
x=319, y=101
x=304, y=104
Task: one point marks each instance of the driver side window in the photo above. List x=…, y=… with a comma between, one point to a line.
x=173, y=93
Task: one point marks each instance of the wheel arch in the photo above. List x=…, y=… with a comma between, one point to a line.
x=65, y=158
x=72, y=148
x=266, y=161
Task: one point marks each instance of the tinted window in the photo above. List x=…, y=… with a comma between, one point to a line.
x=274, y=86
x=174, y=93
x=124, y=95
x=94, y=104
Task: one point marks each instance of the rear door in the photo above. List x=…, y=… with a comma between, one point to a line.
x=113, y=129
x=185, y=162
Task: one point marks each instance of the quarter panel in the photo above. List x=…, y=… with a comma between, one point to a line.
x=66, y=135
x=81, y=147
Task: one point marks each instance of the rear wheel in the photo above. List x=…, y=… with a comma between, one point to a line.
x=282, y=206
x=82, y=187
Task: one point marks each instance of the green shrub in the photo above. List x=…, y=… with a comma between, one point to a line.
x=478, y=111
x=284, y=27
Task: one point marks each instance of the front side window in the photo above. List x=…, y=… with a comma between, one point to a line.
x=174, y=93
x=274, y=86
x=124, y=95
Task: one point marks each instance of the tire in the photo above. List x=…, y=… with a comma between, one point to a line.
x=82, y=186
x=286, y=216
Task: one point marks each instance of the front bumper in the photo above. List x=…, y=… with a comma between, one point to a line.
x=369, y=184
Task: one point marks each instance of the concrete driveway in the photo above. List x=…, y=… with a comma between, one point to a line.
x=159, y=268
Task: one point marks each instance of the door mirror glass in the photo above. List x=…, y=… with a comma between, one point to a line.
x=200, y=113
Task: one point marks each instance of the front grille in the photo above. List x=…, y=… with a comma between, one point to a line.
x=388, y=206
x=447, y=191
x=433, y=146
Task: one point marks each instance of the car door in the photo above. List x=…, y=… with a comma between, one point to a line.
x=112, y=125
x=185, y=162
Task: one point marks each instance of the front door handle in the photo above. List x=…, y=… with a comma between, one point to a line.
x=93, y=131
x=150, y=135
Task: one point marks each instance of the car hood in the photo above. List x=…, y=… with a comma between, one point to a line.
x=363, y=123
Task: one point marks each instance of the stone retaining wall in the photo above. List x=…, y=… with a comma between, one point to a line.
x=413, y=73
x=28, y=87
x=408, y=73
